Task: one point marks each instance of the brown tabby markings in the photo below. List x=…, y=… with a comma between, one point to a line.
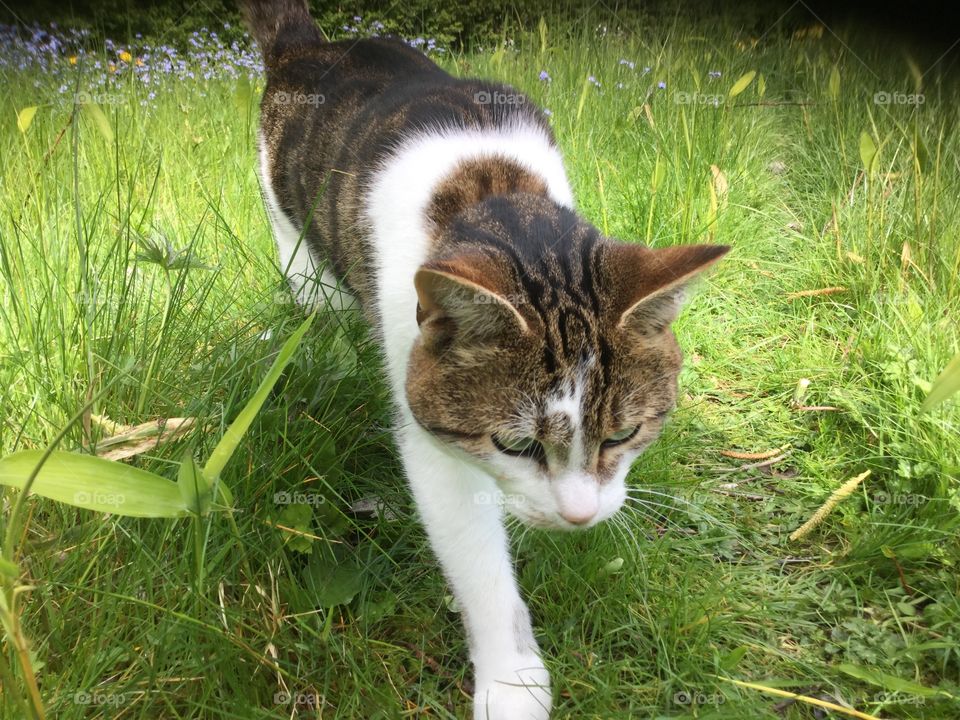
x=523, y=299
x=477, y=179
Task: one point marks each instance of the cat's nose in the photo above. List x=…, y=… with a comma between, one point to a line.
x=579, y=515
x=578, y=500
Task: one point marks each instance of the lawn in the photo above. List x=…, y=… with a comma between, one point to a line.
x=137, y=270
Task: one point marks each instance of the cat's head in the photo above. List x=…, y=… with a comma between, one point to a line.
x=546, y=354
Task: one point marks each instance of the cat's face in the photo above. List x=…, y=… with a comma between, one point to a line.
x=554, y=378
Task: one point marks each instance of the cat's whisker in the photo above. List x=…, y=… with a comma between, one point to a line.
x=647, y=511
x=676, y=498
x=653, y=504
x=620, y=523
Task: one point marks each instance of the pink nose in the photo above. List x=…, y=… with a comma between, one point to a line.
x=578, y=515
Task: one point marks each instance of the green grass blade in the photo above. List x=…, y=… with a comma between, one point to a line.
x=887, y=681
x=740, y=85
x=95, y=484
x=868, y=151
x=100, y=119
x=231, y=438
x=946, y=384
x=25, y=117
x=193, y=486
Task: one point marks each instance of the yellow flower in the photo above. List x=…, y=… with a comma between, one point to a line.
x=139, y=62
x=125, y=56
x=111, y=67
x=72, y=59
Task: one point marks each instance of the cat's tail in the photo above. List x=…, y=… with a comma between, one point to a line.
x=280, y=26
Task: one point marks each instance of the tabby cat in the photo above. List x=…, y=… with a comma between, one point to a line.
x=530, y=358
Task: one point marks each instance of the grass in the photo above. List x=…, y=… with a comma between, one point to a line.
x=343, y=614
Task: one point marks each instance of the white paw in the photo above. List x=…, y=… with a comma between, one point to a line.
x=518, y=690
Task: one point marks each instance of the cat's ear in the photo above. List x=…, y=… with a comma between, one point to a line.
x=466, y=298
x=649, y=285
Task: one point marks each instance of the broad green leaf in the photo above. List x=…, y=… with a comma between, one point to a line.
x=297, y=517
x=733, y=658
x=224, y=492
x=9, y=569
x=833, y=84
x=25, y=117
x=740, y=85
x=193, y=486
x=100, y=120
x=868, y=152
x=946, y=384
x=333, y=582
x=333, y=521
x=613, y=567
x=379, y=607
x=96, y=484
x=888, y=682
x=231, y=438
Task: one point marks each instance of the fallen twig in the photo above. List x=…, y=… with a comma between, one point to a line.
x=818, y=291
x=839, y=494
x=737, y=455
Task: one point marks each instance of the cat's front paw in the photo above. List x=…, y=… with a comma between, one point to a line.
x=518, y=690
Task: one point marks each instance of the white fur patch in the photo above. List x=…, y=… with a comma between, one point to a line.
x=396, y=210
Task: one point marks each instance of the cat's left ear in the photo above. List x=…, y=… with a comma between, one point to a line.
x=649, y=285
x=466, y=298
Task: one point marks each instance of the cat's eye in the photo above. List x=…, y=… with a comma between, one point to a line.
x=620, y=437
x=520, y=447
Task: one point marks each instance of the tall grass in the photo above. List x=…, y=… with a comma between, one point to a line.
x=843, y=276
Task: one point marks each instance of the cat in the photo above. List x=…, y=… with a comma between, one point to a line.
x=530, y=358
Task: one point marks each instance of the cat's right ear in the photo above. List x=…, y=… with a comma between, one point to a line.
x=464, y=299
x=648, y=287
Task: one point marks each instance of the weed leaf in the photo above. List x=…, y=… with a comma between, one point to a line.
x=96, y=484
x=740, y=85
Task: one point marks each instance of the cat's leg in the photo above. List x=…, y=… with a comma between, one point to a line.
x=311, y=286
x=465, y=526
